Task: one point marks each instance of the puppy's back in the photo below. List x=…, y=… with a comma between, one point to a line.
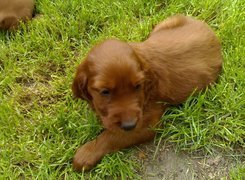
x=187, y=40
x=170, y=23
x=185, y=53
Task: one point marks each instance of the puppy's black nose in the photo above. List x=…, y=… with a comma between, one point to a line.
x=127, y=126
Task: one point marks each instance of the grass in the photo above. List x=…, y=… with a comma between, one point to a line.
x=42, y=125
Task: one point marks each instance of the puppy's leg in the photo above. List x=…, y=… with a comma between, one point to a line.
x=90, y=153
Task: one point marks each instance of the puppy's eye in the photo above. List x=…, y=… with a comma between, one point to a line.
x=105, y=92
x=137, y=87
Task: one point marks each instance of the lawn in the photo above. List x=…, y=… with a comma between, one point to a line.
x=41, y=124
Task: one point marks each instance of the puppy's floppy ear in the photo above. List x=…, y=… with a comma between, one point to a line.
x=140, y=55
x=79, y=85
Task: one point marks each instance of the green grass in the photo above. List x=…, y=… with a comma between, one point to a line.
x=238, y=173
x=41, y=125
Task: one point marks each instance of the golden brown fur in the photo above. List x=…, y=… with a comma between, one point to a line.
x=14, y=11
x=124, y=82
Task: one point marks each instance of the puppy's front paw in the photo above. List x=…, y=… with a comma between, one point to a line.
x=86, y=157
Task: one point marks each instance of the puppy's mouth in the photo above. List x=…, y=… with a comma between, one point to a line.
x=125, y=121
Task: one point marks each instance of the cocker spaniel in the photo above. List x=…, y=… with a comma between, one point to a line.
x=124, y=82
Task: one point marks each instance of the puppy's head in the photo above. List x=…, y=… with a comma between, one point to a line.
x=111, y=79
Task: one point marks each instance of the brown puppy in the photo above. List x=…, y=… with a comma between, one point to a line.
x=14, y=11
x=124, y=82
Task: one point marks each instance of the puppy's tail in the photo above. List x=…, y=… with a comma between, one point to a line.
x=170, y=23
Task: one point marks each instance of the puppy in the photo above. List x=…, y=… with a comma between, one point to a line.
x=125, y=82
x=14, y=11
